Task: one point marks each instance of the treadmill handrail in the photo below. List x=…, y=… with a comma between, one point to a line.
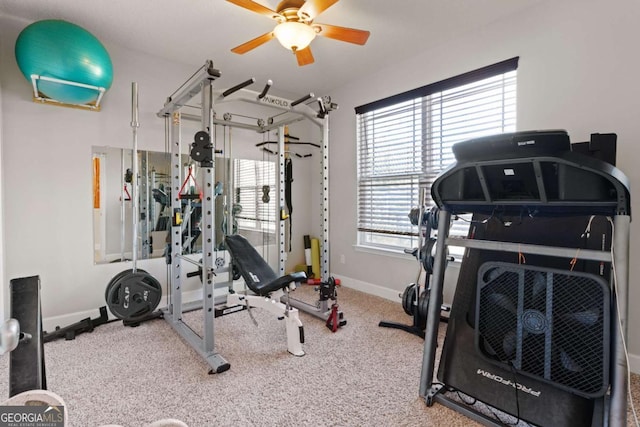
x=618, y=205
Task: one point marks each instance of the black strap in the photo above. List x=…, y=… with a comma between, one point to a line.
x=288, y=179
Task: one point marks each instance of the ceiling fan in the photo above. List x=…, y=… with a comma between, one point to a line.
x=296, y=29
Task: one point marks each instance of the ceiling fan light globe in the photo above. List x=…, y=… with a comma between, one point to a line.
x=294, y=35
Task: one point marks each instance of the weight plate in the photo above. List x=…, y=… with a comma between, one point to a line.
x=414, y=213
x=199, y=154
x=408, y=297
x=423, y=308
x=134, y=295
x=118, y=277
x=427, y=255
x=201, y=138
x=433, y=217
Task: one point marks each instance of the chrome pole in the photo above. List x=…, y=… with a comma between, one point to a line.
x=135, y=202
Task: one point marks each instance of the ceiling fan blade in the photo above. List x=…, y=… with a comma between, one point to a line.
x=252, y=44
x=313, y=8
x=344, y=34
x=304, y=56
x=257, y=8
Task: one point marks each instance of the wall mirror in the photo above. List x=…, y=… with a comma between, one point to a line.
x=245, y=187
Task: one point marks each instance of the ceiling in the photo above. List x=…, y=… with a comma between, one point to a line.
x=191, y=31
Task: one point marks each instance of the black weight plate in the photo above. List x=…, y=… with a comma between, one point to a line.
x=198, y=154
x=423, y=308
x=433, y=217
x=134, y=295
x=408, y=297
x=201, y=138
x=426, y=255
x=117, y=277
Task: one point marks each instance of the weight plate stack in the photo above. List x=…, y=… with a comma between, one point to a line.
x=408, y=297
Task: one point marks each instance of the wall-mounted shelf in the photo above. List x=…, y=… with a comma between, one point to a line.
x=38, y=96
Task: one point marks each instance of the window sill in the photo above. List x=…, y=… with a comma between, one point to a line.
x=394, y=253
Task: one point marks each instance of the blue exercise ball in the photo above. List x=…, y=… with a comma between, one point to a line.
x=62, y=50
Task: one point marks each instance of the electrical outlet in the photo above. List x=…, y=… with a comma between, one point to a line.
x=343, y=259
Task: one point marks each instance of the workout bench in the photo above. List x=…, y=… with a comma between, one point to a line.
x=268, y=287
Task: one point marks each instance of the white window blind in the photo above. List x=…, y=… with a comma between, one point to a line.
x=254, y=178
x=405, y=141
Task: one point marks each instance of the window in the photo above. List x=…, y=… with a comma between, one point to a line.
x=405, y=141
x=255, y=179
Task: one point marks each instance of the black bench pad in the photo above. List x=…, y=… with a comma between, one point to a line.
x=256, y=272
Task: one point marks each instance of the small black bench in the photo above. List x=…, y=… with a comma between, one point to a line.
x=256, y=272
x=262, y=280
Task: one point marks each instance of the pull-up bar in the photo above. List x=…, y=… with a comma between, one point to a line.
x=301, y=100
x=238, y=87
x=266, y=89
x=323, y=109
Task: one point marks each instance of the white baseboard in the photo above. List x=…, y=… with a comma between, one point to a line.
x=49, y=323
x=634, y=363
x=369, y=288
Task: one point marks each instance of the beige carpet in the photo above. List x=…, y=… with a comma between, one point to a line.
x=362, y=375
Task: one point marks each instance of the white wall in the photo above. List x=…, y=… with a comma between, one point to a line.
x=578, y=71
x=46, y=158
x=4, y=284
